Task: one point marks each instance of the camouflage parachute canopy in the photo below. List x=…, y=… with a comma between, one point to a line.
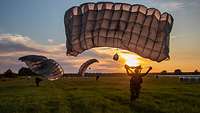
x=85, y=65
x=33, y=58
x=136, y=28
x=43, y=66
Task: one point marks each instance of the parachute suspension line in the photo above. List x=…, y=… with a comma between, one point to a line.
x=141, y=29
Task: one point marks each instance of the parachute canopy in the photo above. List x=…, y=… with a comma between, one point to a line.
x=43, y=66
x=136, y=28
x=85, y=65
x=33, y=58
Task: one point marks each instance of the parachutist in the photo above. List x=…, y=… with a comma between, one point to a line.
x=135, y=81
x=37, y=81
x=97, y=76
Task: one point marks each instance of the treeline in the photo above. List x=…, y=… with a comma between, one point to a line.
x=22, y=72
x=27, y=72
x=179, y=72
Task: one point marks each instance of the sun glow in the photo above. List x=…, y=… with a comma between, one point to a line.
x=130, y=59
x=132, y=62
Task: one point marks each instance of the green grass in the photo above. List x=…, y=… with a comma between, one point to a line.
x=108, y=95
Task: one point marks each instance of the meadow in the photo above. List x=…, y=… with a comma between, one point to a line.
x=108, y=95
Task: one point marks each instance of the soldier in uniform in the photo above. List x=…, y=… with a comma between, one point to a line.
x=37, y=81
x=135, y=81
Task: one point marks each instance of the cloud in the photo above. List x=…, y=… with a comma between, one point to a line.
x=15, y=43
x=166, y=5
x=14, y=46
x=175, y=5
x=19, y=43
x=193, y=4
x=50, y=41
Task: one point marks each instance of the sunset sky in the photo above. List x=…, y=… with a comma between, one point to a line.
x=37, y=27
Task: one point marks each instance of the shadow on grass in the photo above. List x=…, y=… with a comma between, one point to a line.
x=53, y=106
x=141, y=108
x=78, y=106
x=93, y=104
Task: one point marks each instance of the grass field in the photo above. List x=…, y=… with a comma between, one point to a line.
x=108, y=95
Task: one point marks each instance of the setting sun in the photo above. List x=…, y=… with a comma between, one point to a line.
x=132, y=62
x=130, y=59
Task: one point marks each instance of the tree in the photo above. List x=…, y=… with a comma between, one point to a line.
x=163, y=72
x=196, y=71
x=177, y=72
x=9, y=74
x=25, y=72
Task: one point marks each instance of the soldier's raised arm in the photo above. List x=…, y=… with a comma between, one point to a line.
x=150, y=68
x=128, y=70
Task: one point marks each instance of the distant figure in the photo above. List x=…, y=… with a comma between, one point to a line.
x=135, y=81
x=97, y=76
x=157, y=77
x=28, y=77
x=37, y=81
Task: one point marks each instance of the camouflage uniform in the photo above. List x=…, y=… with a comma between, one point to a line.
x=135, y=86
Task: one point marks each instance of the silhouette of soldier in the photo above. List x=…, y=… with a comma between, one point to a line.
x=135, y=81
x=97, y=77
x=37, y=81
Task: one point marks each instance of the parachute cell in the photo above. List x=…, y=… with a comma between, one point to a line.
x=85, y=65
x=136, y=28
x=43, y=66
